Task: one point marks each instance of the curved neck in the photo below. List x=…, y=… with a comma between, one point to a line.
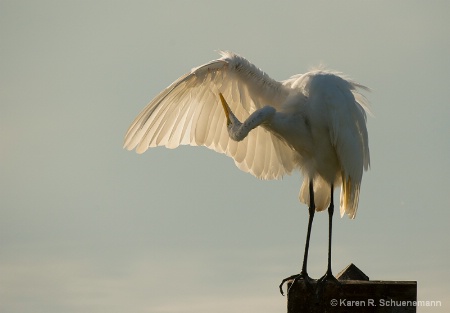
x=238, y=131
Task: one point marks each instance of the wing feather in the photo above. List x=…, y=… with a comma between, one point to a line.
x=189, y=112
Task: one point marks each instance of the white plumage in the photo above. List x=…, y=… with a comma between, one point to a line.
x=319, y=125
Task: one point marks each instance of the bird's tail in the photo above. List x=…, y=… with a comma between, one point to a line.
x=349, y=197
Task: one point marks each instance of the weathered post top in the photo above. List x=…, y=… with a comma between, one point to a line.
x=354, y=293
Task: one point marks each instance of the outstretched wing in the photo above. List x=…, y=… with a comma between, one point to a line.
x=188, y=112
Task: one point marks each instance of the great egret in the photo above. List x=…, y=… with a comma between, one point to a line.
x=314, y=122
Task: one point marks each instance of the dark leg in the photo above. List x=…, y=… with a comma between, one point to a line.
x=312, y=210
x=304, y=274
x=329, y=275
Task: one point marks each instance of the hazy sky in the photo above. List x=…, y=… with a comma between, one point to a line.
x=86, y=226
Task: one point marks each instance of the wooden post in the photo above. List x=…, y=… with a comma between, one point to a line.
x=353, y=295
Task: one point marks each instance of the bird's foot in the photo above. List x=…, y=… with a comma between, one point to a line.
x=327, y=278
x=302, y=276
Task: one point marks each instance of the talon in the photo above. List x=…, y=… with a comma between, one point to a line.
x=303, y=276
x=285, y=280
x=226, y=108
x=328, y=277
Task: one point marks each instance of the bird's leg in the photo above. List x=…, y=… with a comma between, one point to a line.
x=329, y=275
x=237, y=130
x=304, y=274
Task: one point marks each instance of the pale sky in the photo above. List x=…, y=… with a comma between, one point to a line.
x=86, y=226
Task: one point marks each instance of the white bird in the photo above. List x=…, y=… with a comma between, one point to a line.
x=313, y=122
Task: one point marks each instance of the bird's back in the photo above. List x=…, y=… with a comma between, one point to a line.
x=334, y=114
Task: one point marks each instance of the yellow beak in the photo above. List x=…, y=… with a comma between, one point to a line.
x=226, y=108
